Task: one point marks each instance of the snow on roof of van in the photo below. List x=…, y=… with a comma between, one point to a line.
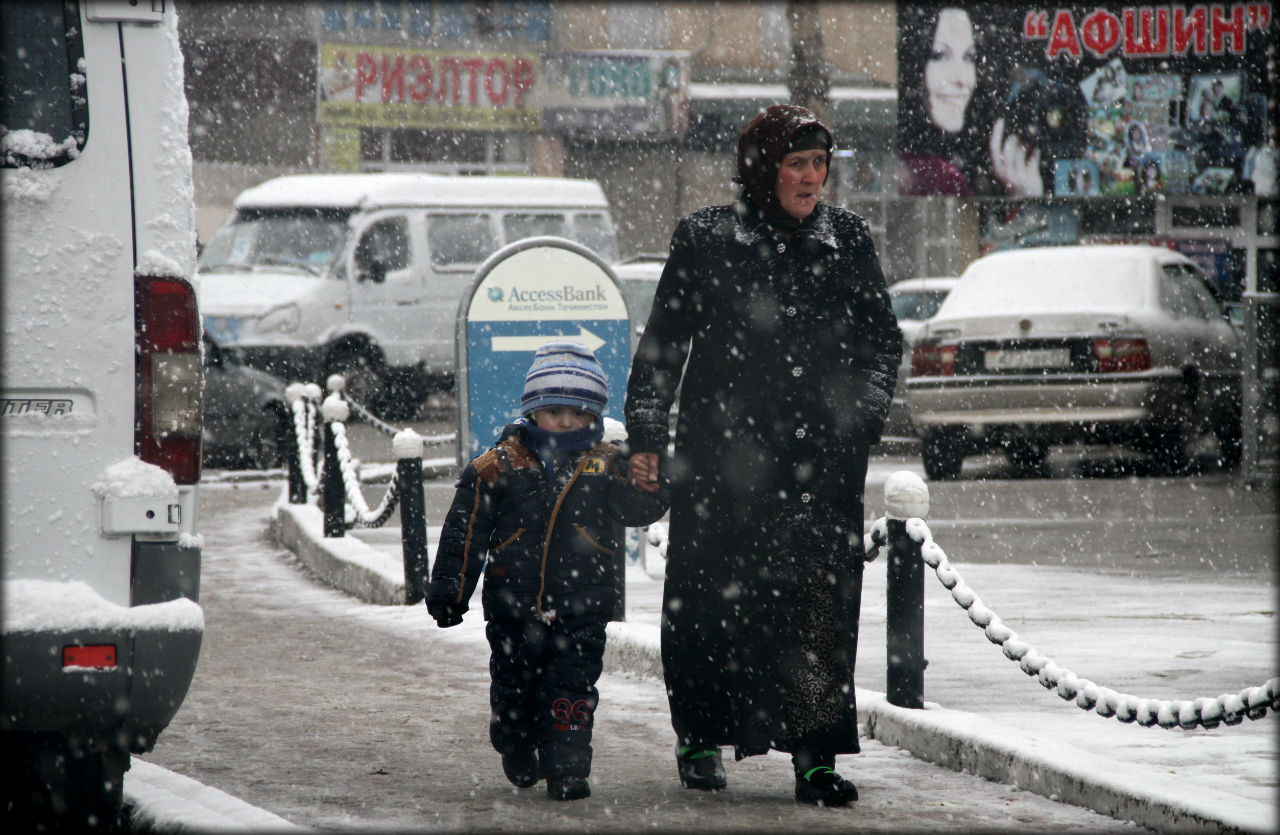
x=372, y=190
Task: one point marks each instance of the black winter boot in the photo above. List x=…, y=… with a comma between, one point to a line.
x=821, y=786
x=568, y=788
x=700, y=767
x=521, y=768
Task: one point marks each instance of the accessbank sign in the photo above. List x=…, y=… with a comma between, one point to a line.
x=529, y=293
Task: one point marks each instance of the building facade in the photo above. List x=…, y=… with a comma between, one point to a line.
x=646, y=98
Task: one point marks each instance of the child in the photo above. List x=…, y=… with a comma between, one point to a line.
x=544, y=504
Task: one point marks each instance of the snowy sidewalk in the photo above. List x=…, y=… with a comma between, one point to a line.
x=1213, y=638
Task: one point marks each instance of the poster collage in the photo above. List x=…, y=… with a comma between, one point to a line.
x=1004, y=99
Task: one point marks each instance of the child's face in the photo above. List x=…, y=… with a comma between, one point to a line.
x=561, y=419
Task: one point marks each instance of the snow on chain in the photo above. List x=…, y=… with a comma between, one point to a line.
x=372, y=419
x=1229, y=708
x=390, y=431
x=351, y=483
x=303, y=431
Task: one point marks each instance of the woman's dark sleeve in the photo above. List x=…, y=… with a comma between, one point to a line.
x=660, y=356
x=876, y=360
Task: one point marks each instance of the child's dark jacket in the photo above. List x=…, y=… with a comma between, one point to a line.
x=549, y=545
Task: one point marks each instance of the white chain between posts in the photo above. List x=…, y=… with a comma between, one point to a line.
x=302, y=397
x=351, y=483
x=1229, y=708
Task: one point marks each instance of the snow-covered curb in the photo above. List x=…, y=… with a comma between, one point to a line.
x=967, y=742
x=343, y=562
x=633, y=648
x=160, y=801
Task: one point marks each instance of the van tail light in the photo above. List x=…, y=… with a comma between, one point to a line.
x=1121, y=353
x=169, y=369
x=932, y=359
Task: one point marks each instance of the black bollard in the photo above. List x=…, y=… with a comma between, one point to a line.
x=293, y=460
x=905, y=618
x=413, y=528
x=334, y=495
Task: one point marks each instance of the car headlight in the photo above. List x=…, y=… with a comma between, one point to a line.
x=284, y=319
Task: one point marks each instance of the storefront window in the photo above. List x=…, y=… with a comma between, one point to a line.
x=362, y=14
x=463, y=152
x=451, y=15
x=445, y=19
x=420, y=18
x=389, y=14
x=334, y=16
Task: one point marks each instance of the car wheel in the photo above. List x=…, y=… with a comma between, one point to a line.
x=366, y=383
x=941, y=455
x=1028, y=458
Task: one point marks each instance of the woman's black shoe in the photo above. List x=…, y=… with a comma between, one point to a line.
x=521, y=769
x=568, y=788
x=700, y=768
x=822, y=786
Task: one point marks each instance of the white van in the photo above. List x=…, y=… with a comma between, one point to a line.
x=362, y=274
x=101, y=404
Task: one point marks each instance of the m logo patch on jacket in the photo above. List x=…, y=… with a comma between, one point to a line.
x=593, y=466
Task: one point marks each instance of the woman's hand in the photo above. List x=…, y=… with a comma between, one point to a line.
x=643, y=471
x=1014, y=163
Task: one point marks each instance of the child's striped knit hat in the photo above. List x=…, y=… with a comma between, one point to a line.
x=565, y=374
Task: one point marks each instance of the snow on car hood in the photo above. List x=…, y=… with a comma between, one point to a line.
x=251, y=293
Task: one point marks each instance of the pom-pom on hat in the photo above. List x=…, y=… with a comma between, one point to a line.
x=565, y=374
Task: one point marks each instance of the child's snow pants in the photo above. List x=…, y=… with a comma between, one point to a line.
x=543, y=693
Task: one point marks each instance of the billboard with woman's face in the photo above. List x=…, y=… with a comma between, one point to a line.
x=1011, y=99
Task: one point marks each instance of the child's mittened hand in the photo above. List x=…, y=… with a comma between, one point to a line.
x=445, y=614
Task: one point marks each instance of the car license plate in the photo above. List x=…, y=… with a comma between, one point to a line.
x=1005, y=360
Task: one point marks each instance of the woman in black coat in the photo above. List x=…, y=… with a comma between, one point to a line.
x=779, y=306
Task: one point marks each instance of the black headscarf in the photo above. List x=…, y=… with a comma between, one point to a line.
x=776, y=131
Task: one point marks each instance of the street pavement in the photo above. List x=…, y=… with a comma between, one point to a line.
x=312, y=707
x=1183, y=637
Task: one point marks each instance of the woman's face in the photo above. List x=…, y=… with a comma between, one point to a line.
x=951, y=71
x=799, y=183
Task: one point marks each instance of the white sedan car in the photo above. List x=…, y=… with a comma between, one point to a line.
x=1098, y=344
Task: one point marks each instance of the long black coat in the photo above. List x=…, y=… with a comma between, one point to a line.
x=792, y=351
